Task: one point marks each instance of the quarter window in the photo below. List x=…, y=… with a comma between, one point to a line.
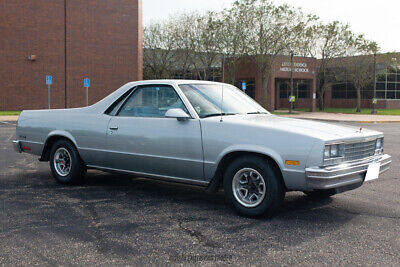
x=151, y=101
x=113, y=109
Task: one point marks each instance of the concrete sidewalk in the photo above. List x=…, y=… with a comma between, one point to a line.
x=8, y=118
x=362, y=118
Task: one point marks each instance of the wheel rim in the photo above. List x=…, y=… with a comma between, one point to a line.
x=248, y=187
x=62, y=161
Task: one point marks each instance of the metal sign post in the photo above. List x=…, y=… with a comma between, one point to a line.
x=86, y=84
x=49, y=81
x=374, y=100
x=292, y=99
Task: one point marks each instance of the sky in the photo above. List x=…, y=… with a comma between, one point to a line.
x=378, y=20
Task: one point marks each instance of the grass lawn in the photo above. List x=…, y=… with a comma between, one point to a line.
x=348, y=111
x=9, y=113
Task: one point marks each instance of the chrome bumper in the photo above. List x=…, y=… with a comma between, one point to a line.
x=345, y=174
x=17, y=146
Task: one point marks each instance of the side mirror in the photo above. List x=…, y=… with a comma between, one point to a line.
x=177, y=113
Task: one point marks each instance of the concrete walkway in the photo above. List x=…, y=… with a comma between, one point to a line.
x=8, y=118
x=362, y=118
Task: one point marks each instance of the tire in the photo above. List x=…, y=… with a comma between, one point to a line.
x=66, y=171
x=269, y=197
x=321, y=194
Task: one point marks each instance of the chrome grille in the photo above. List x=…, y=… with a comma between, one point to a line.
x=354, y=151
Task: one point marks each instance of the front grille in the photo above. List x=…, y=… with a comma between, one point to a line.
x=354, y=151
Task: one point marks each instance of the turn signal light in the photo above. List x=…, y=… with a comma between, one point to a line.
x=292, y=162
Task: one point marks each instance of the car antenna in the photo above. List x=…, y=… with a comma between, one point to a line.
x=222, y=101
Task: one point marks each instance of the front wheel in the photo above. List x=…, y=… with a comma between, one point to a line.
x=65, y=163
x=253, y=187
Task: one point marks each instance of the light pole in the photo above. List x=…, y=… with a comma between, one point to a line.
x=223, y=68
x=291, y=98
x=374, y=100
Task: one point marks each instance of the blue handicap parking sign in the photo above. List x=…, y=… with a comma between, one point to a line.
x=86, y=82
x=244, y=86
x=49, y=79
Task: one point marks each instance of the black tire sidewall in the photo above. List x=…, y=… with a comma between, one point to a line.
x=77, y=169
x=275, y=191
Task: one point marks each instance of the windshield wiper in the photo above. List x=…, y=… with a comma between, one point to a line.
x=217, y=114
x=257, y=112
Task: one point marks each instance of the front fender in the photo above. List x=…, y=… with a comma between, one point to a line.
x=210, y=168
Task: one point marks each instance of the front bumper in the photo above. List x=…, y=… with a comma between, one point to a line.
x=17, y=146
x=344, y=175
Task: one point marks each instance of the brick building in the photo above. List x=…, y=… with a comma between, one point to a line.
x=70, y=40
x=278, y=89
x=340, y=94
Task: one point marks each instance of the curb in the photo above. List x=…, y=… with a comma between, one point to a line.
x=9, y=122
x=377, y=121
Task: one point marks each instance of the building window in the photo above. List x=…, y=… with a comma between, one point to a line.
x=343, y=91
x=388, y=84
x=387, y=87
x=301, y=89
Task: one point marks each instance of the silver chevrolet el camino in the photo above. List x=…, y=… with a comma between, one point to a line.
x=203, y=133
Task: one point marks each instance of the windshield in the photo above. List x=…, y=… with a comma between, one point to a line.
x=206, y=100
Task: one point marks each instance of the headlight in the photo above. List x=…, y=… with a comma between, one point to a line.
x=334, y=151
x=379, y=145
x=333, y=154
x=327, y=152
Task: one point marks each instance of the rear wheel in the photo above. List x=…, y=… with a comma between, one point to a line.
x=65, y=163
x=321, y=194
x=253, y=187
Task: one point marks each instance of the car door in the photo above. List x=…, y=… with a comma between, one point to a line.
x=141, y=139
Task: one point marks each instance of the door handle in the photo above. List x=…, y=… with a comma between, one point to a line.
x=114, y=128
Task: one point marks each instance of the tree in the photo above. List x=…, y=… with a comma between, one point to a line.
x=160, y=46
x=272, y=30
x=332, y=43
x=256, y=30
x=205, y=42
x=183, y=32
x=234, y=29
x=359, y=67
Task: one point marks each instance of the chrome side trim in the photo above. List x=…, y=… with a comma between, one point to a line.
x=137, y=154
x=32, y=142
x=153, y=176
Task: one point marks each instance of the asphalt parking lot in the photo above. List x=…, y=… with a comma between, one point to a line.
x=120, y=220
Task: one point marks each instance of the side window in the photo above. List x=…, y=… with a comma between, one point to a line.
x=151, y=101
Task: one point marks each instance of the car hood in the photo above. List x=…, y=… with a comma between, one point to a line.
x=320, y=130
